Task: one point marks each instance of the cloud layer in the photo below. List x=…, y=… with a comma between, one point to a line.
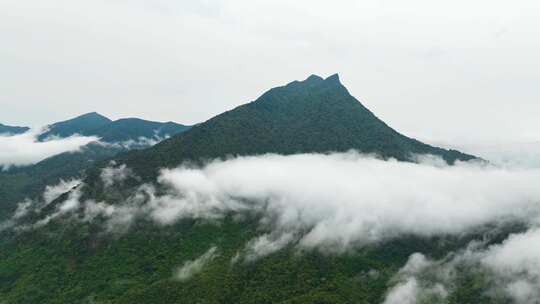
x=333, y=201
x=25, y=149
x=523, y=155
x=349, y=199
x=337, y=202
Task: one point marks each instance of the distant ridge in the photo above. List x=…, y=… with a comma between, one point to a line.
x=94, y=124
x=133, y=128
x=5, y=129
x=79, y=125
x=123, y=134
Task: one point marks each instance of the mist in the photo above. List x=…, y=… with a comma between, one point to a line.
x=336, y=203
x=332, y=202
x=191, y=268
x=504, y=154
x=349, y=199
x=25, y=149
x=511, y=269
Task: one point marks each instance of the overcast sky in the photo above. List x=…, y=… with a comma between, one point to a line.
x=440, y=70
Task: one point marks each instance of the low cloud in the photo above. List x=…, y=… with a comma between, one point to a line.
x=115, y=174
x=348, y=199
x=516, y=265
x=341, y=201
x=139, y=143
x=143, y=142
x=191, y=268
x=71, y=204
x=35, y=206
x=335, y=201
x=524, y=155
x=53, y=192
x=504, y=154
x=510, y=271
x=411, y=288
x=266, y=245
x=25, y=149
x=404, y=293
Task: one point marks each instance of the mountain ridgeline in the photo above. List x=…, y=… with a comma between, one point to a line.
x=83, y=124
x=12, y=130
x=94, y=124
x=312, y=116
x=121, y=135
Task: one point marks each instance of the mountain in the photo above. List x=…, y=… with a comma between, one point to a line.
x=94, y=124
x=71, y=260
x=122, y=135
x=12, y=130
x=19, y=183
x=314, y=115
x=78, y=125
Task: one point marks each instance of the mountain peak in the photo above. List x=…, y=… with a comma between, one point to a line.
x=92, y=115
x=293, y=91
x=311, y=116
x=79, y=125
x=314, y=78
x=333, y=78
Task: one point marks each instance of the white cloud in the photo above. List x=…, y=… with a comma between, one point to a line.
x=524, y=155
x=332, y=202
x=404, y=293
x=510, y=269
x=53, y=192
x=347, y=199
x=22, y=209
x=36, y=205
x=413, y=289
x=267, y=244
x=25, y=149
x=115, y=175
x=72, y=203
x=516, y=264
x=93, y=209
x=140, y=143
x=191, y=268
x=339, y=201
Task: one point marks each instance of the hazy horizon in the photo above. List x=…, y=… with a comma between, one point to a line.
x=454, y=72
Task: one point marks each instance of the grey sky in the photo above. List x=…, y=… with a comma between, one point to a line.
x=440, y=70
